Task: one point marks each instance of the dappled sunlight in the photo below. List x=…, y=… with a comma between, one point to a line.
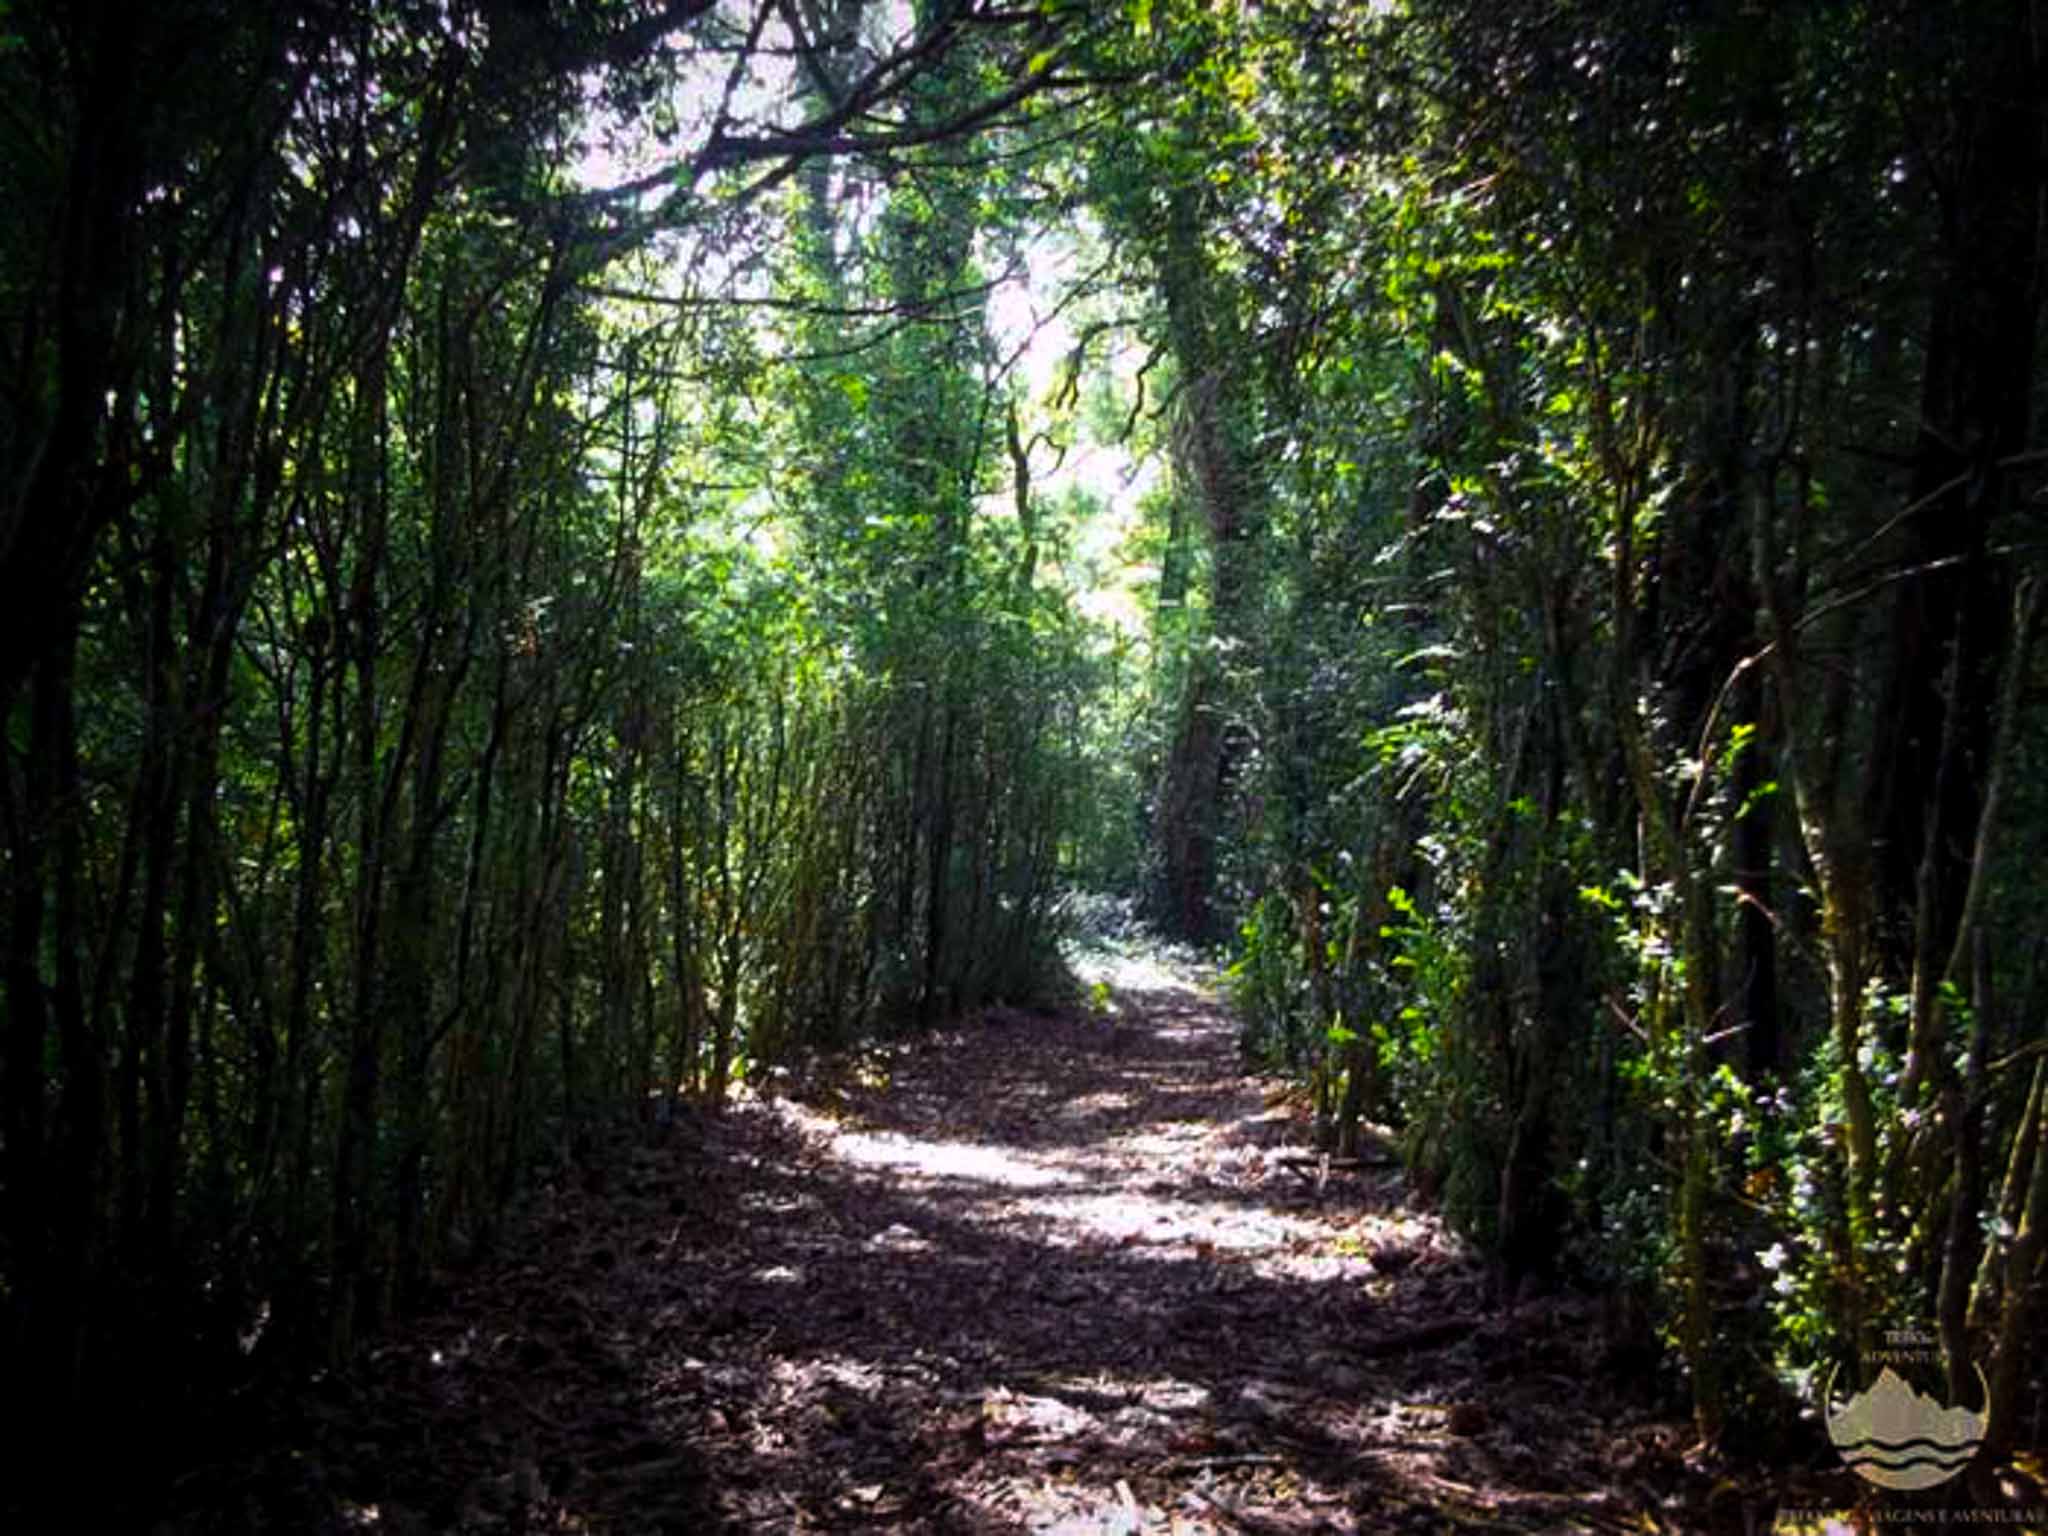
x=948, y=1160
x=1175, y=1034
x=1175, y=1140
x=1119, y=1285
x=848, y=1371
x=672, y=664
x=1207, y=1198
x=1096, y=1103
x=1131, y=970
x=1022, y=1283
x=1265, y=1128
x=1125, y=1217
x=899, y=1237
x=1005, y=1167
x=1012, y=1414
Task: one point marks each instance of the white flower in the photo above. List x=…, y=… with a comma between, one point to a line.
x=1773, y=1257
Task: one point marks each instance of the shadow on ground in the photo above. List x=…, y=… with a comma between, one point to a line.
x=1048, y=1273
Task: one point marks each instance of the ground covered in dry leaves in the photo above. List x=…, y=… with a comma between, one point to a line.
x=1046, y=1273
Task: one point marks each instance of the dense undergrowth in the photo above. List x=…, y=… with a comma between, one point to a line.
x=554, y=558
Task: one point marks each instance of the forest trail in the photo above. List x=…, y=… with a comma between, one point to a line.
x=1045, y=1273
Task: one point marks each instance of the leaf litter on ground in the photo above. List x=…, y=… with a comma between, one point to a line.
x=1042, y=1272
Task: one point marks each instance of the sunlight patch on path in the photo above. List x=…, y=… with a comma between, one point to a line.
x=1133, y=1219
x=972, y=1162
x=1095, y=1104
x=1165, y=1189
x=1176, y=1140
x=1142, y=971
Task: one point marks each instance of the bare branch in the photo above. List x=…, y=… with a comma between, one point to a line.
x=923, y=308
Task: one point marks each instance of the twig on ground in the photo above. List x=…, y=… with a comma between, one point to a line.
x=1203, y=1463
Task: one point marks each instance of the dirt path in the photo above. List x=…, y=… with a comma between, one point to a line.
x=1060, y=1274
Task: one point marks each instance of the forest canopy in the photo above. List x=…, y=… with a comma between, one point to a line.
x=553, y=556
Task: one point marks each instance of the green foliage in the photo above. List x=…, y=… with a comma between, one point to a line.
x=480, y=675
x=1269, y=988
x=486, y=646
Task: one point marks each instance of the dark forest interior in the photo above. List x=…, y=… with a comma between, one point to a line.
x=1399, y=636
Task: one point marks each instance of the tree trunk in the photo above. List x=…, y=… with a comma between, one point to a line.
x=1975, y=415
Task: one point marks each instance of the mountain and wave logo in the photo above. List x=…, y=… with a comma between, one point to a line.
x=1897, y=1437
